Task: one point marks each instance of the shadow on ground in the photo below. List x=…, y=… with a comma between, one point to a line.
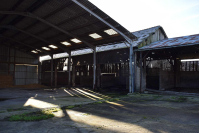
x=100, y=112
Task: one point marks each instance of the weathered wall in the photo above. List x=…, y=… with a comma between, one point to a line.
x=12, y=63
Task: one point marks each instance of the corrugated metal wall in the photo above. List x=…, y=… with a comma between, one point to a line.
x=23, y=67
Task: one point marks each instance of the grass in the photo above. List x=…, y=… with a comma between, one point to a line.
x=18, y=109
x=34, y=116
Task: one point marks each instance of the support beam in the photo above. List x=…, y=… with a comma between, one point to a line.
x=141, y=71
x=14, y=66
x=34, y=36
x=94, y=69
x=69, y=72
x=28, y=14
x=102, y=20
x=39, y=71
x=51, y=70
x=55, y=73
x=30, y=46
x=131, y=69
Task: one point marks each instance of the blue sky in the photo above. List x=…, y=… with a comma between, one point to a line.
x=177, y=17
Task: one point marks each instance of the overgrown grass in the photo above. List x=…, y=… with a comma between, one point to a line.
x=31, y=116
x=34, y=116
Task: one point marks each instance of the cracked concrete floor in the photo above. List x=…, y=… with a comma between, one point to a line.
x=128, y=115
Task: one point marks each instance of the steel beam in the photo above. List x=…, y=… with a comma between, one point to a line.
x=34, y=36
x=130, y=69
x=94, y=69
x=51, y=70
x=69, y=66
x=25, y=44
x=28, y=14
x=102, y=20
x=141, y=70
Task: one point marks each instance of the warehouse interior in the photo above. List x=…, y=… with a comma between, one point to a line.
x=30, y=30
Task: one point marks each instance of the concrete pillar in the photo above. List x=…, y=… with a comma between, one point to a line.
x=94, y=68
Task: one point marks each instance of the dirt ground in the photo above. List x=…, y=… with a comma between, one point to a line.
x=135, y=113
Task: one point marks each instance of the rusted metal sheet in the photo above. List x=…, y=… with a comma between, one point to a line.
x=173, y=42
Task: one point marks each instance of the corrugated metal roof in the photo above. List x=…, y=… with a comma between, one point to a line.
x=141, y=35
x=173, y=42
x=33, y=22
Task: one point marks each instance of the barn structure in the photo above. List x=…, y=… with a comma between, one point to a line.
x=86, y=47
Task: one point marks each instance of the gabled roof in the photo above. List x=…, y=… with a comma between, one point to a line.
x=173, y=42
x=141, y=36
x=144, y=34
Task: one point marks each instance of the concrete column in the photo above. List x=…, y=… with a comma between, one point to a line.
x=94, y=69
x=69, y=72
x=51, y=70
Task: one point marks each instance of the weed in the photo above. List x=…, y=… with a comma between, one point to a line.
x=182, y=99
x=2, y=111
x=36, y=116
x=144, y=117
x=113, y=99
x=99, y=102
x=70, y=107
x=18, y=109
x=157, y=97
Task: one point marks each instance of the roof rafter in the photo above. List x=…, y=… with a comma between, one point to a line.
x=102, y=20
x=39, y=38
x=27, y=14
x=30, y=46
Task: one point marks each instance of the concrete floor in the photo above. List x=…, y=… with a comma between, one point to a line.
x=136, y=113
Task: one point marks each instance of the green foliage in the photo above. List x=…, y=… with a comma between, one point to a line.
x=36, y=116
x=70, y=107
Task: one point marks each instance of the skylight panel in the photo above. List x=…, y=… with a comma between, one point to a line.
x=53, y=46
x=110, y=32
x=66, y=43
x=33, y=51
x=75, y=40
x=45, y=48
x=95, y=36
